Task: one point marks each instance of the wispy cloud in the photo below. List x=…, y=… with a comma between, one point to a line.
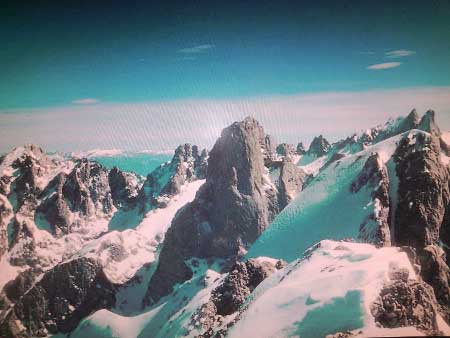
x=85, y=101
x=189, y=58
x=196, y=49
x=385, y=65
x=164, y=125
x=399, y=53
x=367, y=52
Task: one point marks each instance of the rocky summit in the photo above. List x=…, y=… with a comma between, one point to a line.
x=252, y=238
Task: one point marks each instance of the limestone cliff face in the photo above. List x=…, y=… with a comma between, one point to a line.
x=59, y=300
x=376, y=227
x=423, y=191
x=230, y=210
x=290, y=182
x=84, y=191
x=319, y=146
x=285, y=149
x=188, y=164
x=6, y=215
x=421, y=217
x=123, y=185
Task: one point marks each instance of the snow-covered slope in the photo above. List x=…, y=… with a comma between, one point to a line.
x=331, y=290
x=102, y=234
x=326, y=208
x=169, y=318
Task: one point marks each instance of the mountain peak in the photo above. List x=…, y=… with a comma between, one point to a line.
x=428, y=123
x=228, y=213
x=319, y=146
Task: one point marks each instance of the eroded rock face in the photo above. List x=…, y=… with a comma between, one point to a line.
x=240, y=282
x=32, y=165
x=188, y=164
x=421, y=218
x=436, y=273
x=346, y=334
x=56, y=303
x=84, y=191
x=290, y=182
x=301, y=149
x=269, y=148
x=423, y=191
x=411, y=121
x=231, y=294
x=229, y=212
x=285, y=149
x=375, y=228
x=406, y=303
x=6, y=215
x=319, y=146
x=428, y=124
x=16, y=288
x=124, y=187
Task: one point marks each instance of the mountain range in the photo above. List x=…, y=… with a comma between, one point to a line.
x=249, y=239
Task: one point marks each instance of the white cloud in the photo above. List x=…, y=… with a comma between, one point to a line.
x=399, y=53
x=385, y=65
x=164, y=125
x=189, y=58
x=196, y=49
x=85, y=101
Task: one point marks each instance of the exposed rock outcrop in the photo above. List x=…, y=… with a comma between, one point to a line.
x=375, y=228
x=286, y=149
x=59, y=300
x=290, y=182
x=411, y=121
x=319, y=146
x=436, y=273
x=243, y=278
x=85, y=192
x=300, y=149
x=428, y=124
x=31, y=165
x=406, y=303
x=188, y=164
x=230, y=210
x=231, y=294
x=6, y=215
x=269, y=149
x=423, y=201
x=423, y=191
x=124, y=187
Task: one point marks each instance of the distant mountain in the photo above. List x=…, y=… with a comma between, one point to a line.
x=250, y=239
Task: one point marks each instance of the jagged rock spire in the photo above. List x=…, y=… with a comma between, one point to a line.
x=319, y=146
x=229, y=212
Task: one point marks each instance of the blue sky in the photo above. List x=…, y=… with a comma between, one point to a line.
x=75, y=53
x=138, y=51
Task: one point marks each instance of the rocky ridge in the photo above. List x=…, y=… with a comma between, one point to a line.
x=247, y=185
x=236, y=204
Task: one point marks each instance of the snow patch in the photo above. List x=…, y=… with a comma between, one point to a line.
x=329, y=290
x=321, y=210
x=311, y=165
x=157, y=221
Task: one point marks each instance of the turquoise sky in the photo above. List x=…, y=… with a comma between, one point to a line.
x=68, y=52
x=148, y=75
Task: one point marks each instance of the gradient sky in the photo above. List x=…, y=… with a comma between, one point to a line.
x=76, y=53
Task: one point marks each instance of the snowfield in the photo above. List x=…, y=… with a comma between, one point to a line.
x=330, y=291
x=326, y=208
